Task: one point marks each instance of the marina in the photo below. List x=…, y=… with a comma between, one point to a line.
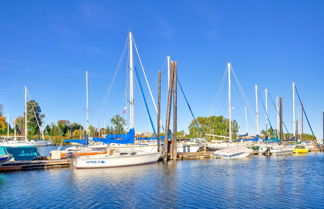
x=164, y=104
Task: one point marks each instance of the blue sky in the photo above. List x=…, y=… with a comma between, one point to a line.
x=48, y=45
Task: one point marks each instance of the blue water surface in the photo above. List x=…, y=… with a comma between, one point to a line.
x=257, y=182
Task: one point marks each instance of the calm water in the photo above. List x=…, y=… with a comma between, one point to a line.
x=258, y=182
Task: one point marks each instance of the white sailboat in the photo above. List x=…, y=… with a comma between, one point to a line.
x=26, y=142
x=130, y=155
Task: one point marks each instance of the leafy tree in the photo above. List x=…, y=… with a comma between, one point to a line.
x=118, y=123
x=20, y=125
x=34, y=117
x=270, y=133
x=63, y=127
x=75, y=126
x=92, y=131
x=216, y=125
x=3, y=125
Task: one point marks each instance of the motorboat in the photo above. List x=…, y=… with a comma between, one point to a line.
x=275, y=150
x=235, y=152
x=300, y=150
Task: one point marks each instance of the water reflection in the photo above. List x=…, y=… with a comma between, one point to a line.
x=281, y=182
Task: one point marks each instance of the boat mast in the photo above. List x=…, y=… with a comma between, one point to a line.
x=266, y=108
x=87, y=104
x=15, y=132
x=293, y=109
x=278, y=121
x=26, y=130
x=229, y=101
x=256, y=111
x=131, y=82
x=8, y=126
x=246, y=121
x=168, y=60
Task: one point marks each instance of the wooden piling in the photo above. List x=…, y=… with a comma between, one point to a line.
x=159, y=111
x=168, y=116
x=174, y=138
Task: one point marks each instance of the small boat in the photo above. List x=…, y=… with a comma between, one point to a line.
x=301, y=149
x=4, y=155
x=233, y=152
x=275, y=150
x=116, y=158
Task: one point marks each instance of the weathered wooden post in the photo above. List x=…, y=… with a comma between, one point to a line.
x=168, y=116
x=280, y=115
x=159, y=111
x=174, y=138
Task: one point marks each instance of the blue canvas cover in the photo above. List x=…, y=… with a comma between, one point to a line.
x=23, y=153
x=127, y=138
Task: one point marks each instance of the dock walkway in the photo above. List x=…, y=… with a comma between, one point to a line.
x=34, y=164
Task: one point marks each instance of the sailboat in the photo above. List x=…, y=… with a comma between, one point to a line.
x=26, y=142
x=129, y=155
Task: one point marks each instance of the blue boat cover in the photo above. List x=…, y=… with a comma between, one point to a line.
x=23, y=153
x=127, y=138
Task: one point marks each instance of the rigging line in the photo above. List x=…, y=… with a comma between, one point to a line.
x=147, y=83
x=189, y=105
x=277, y=111
x=268, y=118
x=147, y=109
x=304, y=112
x=218, y=92
x=108, y=92
x=242, y=91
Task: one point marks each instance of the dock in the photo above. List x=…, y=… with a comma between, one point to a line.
x=34, y=164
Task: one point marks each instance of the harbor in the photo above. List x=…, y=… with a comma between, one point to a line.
x=196, y=104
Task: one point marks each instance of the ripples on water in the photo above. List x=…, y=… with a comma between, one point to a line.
x=258, y=182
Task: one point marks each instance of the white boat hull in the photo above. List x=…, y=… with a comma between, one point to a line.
x=106, y=161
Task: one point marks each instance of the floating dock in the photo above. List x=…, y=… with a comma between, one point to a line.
x=196, y=155
x=34, y=164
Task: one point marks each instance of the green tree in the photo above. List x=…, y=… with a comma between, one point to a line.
x=34, y=117
x=118, y=123
x=214, y=125
x=63, y=127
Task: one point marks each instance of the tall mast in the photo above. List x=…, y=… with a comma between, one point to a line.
x=87, y=103
x=26, y=129
x=8, y=126
x=15, y=132
x=293, y=109
x=229, y=101
x=246, y=120
x=278, y=120
x=168, y=60
x=256, y=111
x=266, y=108
x=131, y=82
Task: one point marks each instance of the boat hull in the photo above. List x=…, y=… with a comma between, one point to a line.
x=107, y=161
x=4, y=158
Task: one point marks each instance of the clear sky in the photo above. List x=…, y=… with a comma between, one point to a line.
x=47, y=45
